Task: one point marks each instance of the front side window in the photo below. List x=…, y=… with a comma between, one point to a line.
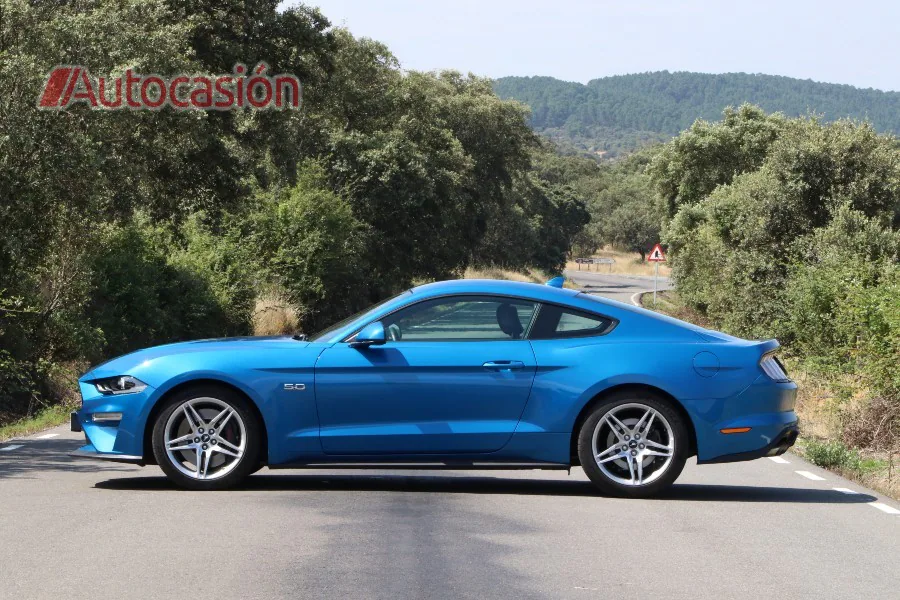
x=462, y=318
x=555, y=322
x=323, y=335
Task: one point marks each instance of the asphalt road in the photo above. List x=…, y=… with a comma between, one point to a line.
x=77, y=529
x=617, y=287
x=81, y=529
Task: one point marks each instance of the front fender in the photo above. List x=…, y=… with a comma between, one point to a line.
x=258, y=369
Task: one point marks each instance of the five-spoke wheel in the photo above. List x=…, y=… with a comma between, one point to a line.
x=206, y=438
x=633, y=445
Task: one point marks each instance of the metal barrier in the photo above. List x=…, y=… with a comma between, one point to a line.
x=595, y=261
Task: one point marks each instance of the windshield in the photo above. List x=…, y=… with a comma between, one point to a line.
x=323, y=335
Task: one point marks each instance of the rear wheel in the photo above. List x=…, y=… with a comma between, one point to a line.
x=633, y=444
x=206, y=438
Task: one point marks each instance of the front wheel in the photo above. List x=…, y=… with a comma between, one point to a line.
x=633, y=445
x=206, y=438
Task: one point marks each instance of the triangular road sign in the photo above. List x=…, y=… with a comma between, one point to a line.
x=657, y=255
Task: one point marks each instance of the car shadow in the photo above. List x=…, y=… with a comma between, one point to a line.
x=37, y=456
x=493, y=485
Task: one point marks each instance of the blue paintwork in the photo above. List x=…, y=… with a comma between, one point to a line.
x=373, y=332
x=503, y=401
x=557, y=282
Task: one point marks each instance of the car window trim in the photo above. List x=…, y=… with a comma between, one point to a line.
x=613, y=323
x=525, y=333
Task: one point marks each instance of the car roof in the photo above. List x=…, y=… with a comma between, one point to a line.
x=574, y=298
x=535, y=291
x=520, y=289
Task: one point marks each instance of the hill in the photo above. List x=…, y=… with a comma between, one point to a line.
x=613, y=115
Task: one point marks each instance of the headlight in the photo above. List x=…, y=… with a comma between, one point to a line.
x=124, y=384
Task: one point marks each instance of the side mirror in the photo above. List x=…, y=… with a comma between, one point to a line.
x=371, y=335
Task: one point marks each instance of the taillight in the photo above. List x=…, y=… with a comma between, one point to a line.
x=773, y=368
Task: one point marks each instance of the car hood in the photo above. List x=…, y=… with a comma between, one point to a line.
x=141, y=360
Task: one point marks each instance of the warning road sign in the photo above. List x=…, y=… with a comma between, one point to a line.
x=657, y=255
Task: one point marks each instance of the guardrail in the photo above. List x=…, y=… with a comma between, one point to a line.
x=595, y=261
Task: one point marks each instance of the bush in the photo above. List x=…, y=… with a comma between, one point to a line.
x=17, y=385
x=734, y=245
x=151, y=288
x=312, y=247
x=832, y=454
x=222, y=271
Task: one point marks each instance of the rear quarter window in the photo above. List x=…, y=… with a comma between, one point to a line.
x=558, y=322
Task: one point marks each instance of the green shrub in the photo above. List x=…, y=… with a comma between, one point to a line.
x=222, y=269
x=151, y=288
x=310, y=244
x=17, y=384
x=842, y=301
x=832, y=454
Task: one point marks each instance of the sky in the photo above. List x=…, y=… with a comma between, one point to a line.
x=854, y=42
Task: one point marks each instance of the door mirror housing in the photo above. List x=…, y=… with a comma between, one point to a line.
x=371, y=335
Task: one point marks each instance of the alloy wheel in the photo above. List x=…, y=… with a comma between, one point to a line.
x=205, y=438
x=633, y=444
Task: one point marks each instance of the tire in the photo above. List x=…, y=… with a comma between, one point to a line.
x=622, y=456
x=188, y=429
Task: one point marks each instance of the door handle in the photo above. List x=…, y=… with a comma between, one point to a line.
x=504, y=365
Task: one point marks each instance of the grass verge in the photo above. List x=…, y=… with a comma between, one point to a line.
x=45, y=419
x=823, y=406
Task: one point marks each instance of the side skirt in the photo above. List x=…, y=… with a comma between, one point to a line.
x=433, y=465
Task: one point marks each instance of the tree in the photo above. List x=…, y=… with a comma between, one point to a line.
x=707, y=155
x=733, y=249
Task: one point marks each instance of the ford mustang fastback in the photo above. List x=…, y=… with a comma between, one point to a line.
x=462, y=374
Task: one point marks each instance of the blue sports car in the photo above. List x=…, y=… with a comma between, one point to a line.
x=458, y=374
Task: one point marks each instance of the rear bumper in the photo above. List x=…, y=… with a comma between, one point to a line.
x=776, y=447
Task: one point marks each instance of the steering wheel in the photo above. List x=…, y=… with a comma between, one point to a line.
x=394, y=332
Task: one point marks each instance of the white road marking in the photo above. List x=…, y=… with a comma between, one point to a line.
x=779, y=460
x=11, y=447
x=885, y=508
x=47, y=436
x=809, y=475
x=882, y=507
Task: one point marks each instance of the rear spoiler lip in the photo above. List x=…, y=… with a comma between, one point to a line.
x=765, y=346
x=768, y=346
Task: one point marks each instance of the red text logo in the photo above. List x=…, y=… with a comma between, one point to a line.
x=67, y=85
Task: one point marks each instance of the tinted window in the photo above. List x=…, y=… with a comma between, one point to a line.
x=557, y=322
x=461, y=318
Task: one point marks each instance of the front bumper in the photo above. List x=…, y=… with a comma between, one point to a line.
x=90, y=452
x=112, y=424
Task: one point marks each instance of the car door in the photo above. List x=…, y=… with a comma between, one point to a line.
x=453, y=377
